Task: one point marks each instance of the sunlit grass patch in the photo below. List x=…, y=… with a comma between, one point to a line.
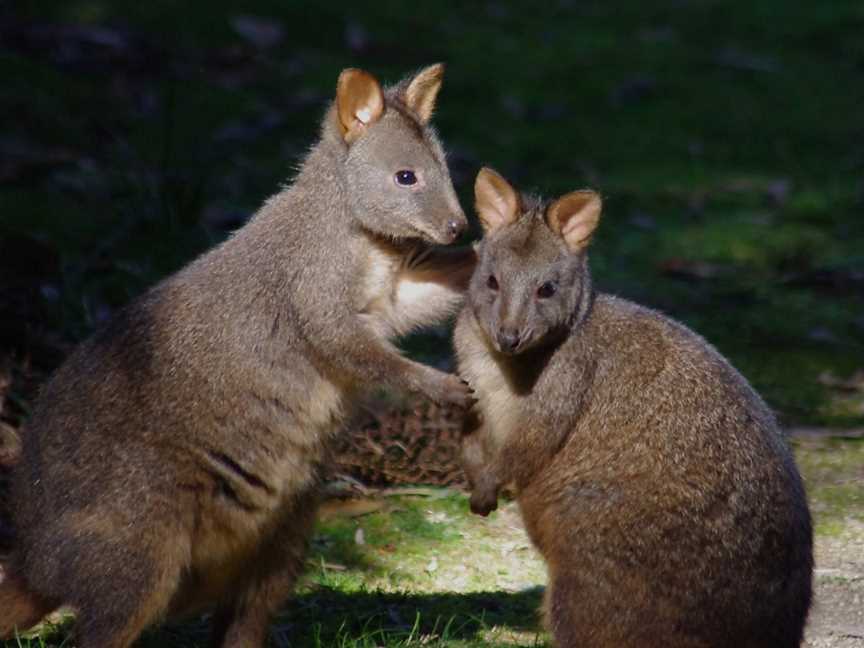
x=834, y=477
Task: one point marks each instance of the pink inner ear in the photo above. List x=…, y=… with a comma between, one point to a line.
x=497, y=202
x=359, y=101
x=496, y=210
x=577, y=231
x=422, y=91
x=576, y=216
x=502, y=208
x=369, y=107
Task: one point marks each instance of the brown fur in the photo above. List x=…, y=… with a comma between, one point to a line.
x=172, y=463
x=21, y=608
x=650, y=475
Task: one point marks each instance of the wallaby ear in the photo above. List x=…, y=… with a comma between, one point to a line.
x=359, y=102
x=574, y=217
x=423, y=89
x=496, y=201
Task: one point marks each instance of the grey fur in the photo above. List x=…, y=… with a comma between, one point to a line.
x=172, y=462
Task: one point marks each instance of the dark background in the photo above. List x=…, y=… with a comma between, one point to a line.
x=726, y=137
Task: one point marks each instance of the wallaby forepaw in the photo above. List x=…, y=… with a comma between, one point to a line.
x=458, y=392
x=482, y=504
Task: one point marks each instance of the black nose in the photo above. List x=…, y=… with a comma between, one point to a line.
x=508, y=340
x=454, y=228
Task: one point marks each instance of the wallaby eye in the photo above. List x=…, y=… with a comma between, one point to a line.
x=492, y=282
x=406, y=178
x=546, y=290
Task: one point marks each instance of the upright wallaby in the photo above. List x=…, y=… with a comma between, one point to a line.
x=650, y=475
x=171, y=462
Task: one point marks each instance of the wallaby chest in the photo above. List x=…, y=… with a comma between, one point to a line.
x=380, y=267
x=500, y=404
x=385, y=284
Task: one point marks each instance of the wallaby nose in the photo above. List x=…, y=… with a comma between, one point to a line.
x=508, y=340
x=455, y=229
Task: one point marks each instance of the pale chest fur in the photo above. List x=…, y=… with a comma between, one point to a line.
x=501, y=407
x=378, y=282
x=392, y=293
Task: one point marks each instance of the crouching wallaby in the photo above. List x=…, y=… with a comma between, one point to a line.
x=171, y=463
x=650, y=476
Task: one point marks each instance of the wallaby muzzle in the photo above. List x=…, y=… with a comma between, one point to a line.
x=508, y=340
x=449, y=230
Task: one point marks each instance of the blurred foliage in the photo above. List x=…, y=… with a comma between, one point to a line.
x=726, y=138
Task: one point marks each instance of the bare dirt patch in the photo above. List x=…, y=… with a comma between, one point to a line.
x=837, y=617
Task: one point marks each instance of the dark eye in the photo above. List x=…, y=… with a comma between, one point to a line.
x=492, y=282
x=406, y=178
x=547, y=290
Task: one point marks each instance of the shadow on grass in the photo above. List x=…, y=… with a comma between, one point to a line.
x=456, y=615
x=327, y=617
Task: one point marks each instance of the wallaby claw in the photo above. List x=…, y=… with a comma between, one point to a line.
x=457, y=392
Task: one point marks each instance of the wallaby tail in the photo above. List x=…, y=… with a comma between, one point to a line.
x=20, y=609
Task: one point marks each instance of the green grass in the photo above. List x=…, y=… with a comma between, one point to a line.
x=834, y=477
x=427, y=573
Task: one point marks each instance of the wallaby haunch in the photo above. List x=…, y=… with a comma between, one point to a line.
x=651, y=477
x=171, y=463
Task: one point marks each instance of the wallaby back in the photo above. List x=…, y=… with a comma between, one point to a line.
x=172, y=463
x=650, y=475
